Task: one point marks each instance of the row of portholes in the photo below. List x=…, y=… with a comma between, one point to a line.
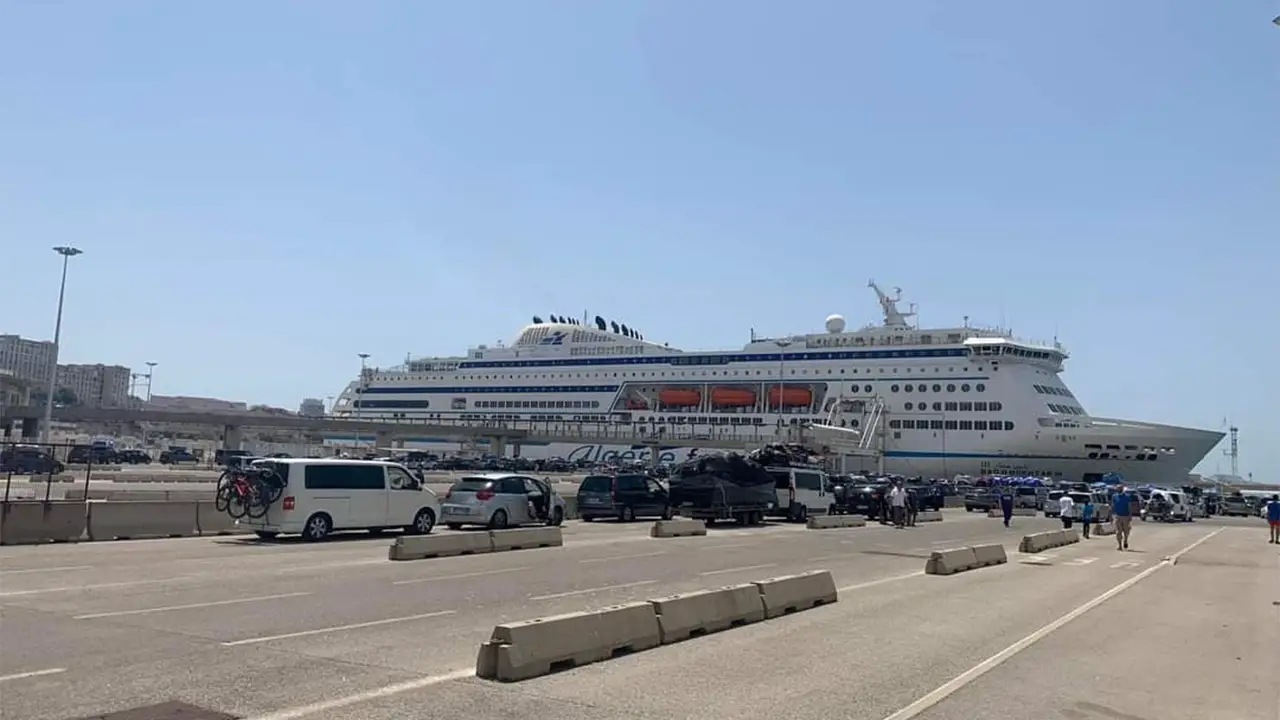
x=936, y=388
x=956, y=407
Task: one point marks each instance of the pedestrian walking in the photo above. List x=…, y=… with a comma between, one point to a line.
x=1122, y=517
x=1006, y=505
x=898, y=503
x=1273, y=518
x=1086, y=517
x=913, y=507
x=1066, y=510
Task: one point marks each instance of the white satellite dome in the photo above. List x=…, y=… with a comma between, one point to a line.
x=835, y=324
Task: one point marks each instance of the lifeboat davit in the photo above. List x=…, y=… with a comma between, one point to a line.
x=680, y=398
x=730, y=397
x=790, y=396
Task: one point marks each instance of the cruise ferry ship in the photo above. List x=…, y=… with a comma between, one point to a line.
x=939, y=402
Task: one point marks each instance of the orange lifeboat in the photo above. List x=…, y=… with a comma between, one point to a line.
x=680, y=398
x=790, y=396
x=729, y=397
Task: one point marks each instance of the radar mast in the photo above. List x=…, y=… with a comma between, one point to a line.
x=893, y=318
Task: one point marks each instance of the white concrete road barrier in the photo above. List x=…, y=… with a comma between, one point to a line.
x=678, y=527
x=523, y=650
x=141, y=519
x=954, y=560
x=526, y=538
x=929, y=516
x=31, y=522
x=1039, y=542
x=422, y=547
x=828, y=522
x=1104, y=529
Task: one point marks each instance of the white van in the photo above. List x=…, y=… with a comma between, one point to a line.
x=1176, y=503
x=322, y=496
x=801, y=492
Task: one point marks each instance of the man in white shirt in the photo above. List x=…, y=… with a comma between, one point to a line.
x=1067, y=508
x=898, y=503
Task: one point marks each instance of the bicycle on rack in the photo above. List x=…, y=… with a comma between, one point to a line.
x=248, y=491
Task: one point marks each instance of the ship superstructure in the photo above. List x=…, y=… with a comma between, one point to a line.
x=960, y=400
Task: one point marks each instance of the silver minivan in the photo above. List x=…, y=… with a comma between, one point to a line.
x=499, y=500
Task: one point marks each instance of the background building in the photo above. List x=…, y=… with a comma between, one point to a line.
x=187, y=403
x=25, y=359
x=93, y=385
x=14, y=391
x=311, y=407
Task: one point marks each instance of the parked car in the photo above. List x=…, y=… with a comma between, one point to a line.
x=981, y=500
x=1234, y=505
x=624, y=497
x=133, y=457
x=29, y=460
x=500, y=500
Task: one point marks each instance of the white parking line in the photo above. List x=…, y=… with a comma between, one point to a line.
x=339, y=628
x=437, y=578
x=588, y=591
x=620, y=557
x=167, y=608
x=101, y=586
x=31, y=674
x=744, y=568
x=982, y=668
x=46, y=569
x=881, y=581
x=725, y=546
x=301, y=711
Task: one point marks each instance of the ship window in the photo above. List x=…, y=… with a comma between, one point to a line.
x=895, y=424
x=980, y=425
x=907, y=406
x=951, y=388
x=908, y=387
x=980, y=407
x=966, y=424
x=937, y=407
x=921, y=388
x=964, y=388
x=1008, y=425
x=866, y=389
x=935, y=424
x=951, y=425
x=937, y=388
x=980, y=387
x=893, y=388
x=995, y=406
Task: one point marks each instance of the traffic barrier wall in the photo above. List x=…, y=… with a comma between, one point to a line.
x=1017, y=512
x=211, y=522
x=31, y=522
x=421, y=547
x=1039, y=542
x=141, y=519
x=954, y=560
x=828, y=522
x=678, y=527
x=929, y=516
x=522, y=650
x=1104, y=529
x=525, y=538
x=985, y=555
x=792, y=593
x=681, y=617
x=518, y=651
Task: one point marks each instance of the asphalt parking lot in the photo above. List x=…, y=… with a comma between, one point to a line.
x=334, y=630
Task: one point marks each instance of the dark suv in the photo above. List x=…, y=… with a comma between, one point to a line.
x=980, y=499
x=624, y=496
x=26, y=460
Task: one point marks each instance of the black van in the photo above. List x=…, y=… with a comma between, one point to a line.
x=625, y=497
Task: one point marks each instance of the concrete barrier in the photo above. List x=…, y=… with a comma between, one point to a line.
x=792, y=593
x=141, y=519
x=681, y=617
x=828, y=522
x=421, y=547
x=1039, y=542
x=211, y=522
x=678, y=527
x=985, y=555
x=1104, y=529
x=523, y=650
x=929, y=516
x=954, y=560
x=1017, y=512
x=31, y=522
x=525, y=538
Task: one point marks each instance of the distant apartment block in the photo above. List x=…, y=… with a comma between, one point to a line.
x=93, y=385
x=13, y=391
x=184, y=403
x=311, y=407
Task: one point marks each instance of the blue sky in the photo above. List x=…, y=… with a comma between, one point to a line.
x=265, y=189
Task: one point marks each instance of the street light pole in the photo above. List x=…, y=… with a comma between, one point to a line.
x=360, y=396
x=151, y=368
x=67, y=252
x=782, y=344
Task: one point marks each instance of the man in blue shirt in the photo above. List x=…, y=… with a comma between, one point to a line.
x=1273, y=518
x=1122, y=517
x=1006, y=504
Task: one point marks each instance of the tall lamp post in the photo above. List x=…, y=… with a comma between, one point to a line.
x=782, y=344
x=360, y=396
x=151, y=368
x=67, y=252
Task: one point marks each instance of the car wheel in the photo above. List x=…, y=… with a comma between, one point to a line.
x=628, y=514
x=499, y=520
x=423, y=523
x=667, y=513
x=557, y=518
x=317, y=528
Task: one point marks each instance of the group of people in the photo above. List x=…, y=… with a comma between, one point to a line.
x=1122, y=509
x=899, y=506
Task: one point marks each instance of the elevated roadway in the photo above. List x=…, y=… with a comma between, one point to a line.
x=286, y=631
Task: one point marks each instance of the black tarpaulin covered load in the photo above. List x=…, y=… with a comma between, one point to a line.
x=784, y=455
x=721, y=479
